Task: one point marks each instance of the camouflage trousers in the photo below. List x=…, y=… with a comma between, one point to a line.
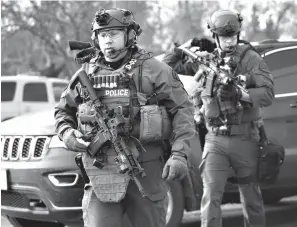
x=141, y=211
x=220, y=153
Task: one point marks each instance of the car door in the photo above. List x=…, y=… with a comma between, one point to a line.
x=35, y=97
x=281, y=117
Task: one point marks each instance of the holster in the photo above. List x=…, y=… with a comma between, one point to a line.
x=79, y=163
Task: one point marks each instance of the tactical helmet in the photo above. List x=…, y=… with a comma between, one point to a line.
x=116, y=19
x=225, y=23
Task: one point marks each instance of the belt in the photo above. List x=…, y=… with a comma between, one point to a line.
x=218, y=131
x=231, y=129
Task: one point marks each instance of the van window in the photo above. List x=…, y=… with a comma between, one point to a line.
x=283, y=67
x=58, y=88
x=7, y=91
x=35, y=92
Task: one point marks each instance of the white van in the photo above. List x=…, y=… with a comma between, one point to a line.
x=25, y=93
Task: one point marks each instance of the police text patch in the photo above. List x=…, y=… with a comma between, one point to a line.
x=117, y=93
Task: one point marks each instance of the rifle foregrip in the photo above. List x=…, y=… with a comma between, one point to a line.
x=97, y=143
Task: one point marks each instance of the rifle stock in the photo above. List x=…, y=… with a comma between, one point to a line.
x=78, y=45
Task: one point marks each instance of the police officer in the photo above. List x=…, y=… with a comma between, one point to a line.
x=235, y=145
x=127, y=79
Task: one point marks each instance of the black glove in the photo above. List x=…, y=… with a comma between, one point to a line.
x=70, y=138
x=229, y=92
x=176, y=167
x=204, y=44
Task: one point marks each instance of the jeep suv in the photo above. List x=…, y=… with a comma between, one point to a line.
x=29, y=93
x=44, y=185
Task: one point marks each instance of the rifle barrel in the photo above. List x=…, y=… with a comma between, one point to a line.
x=189, y=53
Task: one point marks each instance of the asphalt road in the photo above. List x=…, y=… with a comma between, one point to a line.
x=283, y=214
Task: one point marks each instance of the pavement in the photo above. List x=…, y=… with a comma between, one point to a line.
x=282, y=214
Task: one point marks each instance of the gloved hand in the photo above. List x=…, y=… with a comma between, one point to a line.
x=228, y=92
x=176, y=167
x=72, y=139
x=204, y=44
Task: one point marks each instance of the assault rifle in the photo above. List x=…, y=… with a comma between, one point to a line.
x=108, y=133
x=215, y=71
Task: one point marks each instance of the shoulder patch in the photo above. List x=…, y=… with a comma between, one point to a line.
x=263, y=67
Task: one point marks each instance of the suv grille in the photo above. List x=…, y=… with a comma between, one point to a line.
x=23, y=147
x=14, y=199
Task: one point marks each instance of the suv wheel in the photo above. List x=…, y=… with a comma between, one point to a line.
x=21, y=222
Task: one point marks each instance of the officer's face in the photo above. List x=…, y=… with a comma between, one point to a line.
x=111, y=42
x=228, y=43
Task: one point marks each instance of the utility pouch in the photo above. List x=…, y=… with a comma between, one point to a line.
x=155, y=124
x=211, y=106
x=209, y=85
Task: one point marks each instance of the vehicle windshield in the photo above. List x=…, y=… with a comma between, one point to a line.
x=7, y=90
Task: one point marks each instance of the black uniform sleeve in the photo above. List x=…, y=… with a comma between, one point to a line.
x=262, y=93
x=179, y=107
x=65, y=110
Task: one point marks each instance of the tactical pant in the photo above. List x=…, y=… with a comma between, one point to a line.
x=141, y=211
x=220, y=153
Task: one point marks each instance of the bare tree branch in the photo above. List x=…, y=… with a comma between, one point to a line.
x=282, y=14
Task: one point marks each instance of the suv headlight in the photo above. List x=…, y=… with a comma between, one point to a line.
x=56, y=143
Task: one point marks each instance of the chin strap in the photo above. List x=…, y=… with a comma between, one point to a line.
x=219, y=44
